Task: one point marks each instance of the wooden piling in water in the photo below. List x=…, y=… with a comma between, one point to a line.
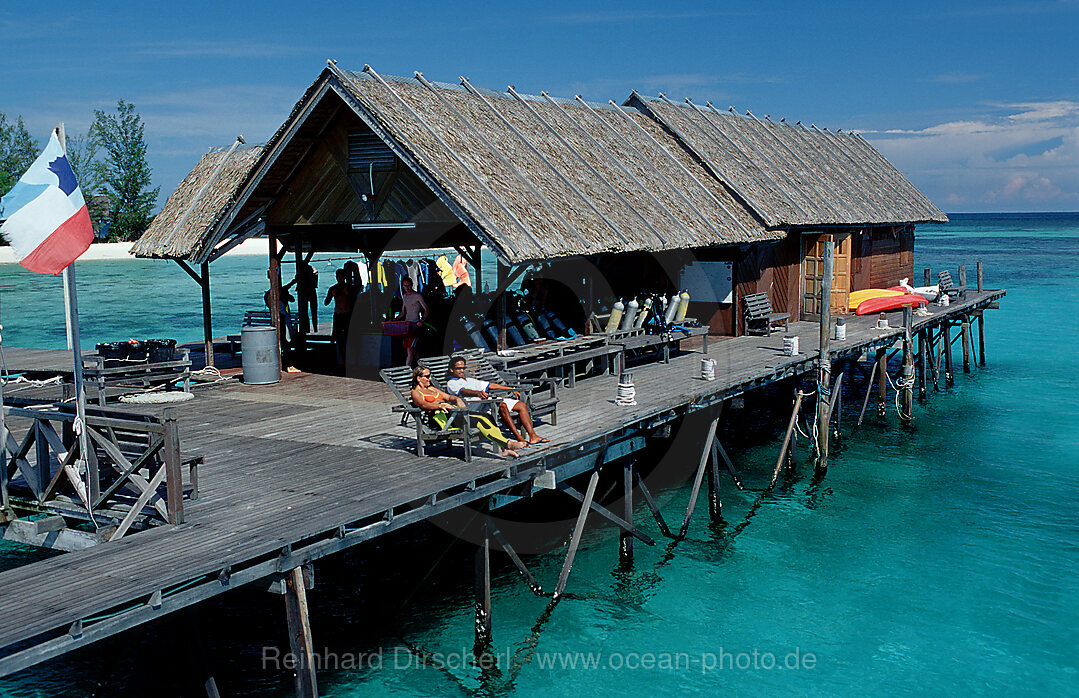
x=706, y=452
x=949, y=377
x=981, y=338
x=922, y=363
x=299, y=633
x=882, y=382
x=482, y=603
x=927, y=277
x=962, y=274
x=825, y=368
x=786, y=439
x=906, y=399
x=981, y=277
x=965, y=330
x=715, y=501
x=625, y=538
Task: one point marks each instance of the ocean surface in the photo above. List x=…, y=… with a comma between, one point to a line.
x=938, y=559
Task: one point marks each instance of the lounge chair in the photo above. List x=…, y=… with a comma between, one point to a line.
x=948, y=287
x=478, y=366
x=399, y=380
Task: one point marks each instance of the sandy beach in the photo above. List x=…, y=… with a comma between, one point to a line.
x=120, y=250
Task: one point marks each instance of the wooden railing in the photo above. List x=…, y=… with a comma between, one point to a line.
x=129, y=458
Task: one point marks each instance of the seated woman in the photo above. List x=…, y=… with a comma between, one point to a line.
x=427, y=397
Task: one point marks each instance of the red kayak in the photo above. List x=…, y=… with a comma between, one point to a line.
x=877, y=305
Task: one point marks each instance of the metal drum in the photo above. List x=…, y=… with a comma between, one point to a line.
x=261, y=362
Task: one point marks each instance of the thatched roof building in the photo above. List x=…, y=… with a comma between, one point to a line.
x=529, y=176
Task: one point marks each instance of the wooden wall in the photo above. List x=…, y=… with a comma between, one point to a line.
x=883, y=256
x=772, y=268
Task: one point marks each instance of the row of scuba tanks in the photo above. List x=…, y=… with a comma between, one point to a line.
x=634, y=314
x=520, y=329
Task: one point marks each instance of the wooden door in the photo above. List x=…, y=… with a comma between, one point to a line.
x=813, y=274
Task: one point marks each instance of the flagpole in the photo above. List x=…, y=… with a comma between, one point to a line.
x=71, y=307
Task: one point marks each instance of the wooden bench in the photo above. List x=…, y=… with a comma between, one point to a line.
x=136, y=373
x=759, y=315
x=948, y=286
x=477, y=366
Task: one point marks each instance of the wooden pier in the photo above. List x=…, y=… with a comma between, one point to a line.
x=312, y=465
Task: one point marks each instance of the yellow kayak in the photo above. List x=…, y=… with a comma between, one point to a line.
x=857, y=297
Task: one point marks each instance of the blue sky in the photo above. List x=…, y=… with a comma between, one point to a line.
x=977, y=102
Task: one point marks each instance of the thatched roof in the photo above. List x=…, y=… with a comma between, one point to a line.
x=793, y=175
x=550, y=178
x=534, y=177
x=178, y=232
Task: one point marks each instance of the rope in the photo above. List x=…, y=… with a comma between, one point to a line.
x=901, y=383
x=155, y=398
x=24, y=383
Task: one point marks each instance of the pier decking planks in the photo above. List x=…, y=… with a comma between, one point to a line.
x=292, y=460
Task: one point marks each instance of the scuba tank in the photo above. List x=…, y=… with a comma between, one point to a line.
x=559, y=326
x=672, y=309
x=514, y=338
x=526, y=325
x=616, y=317
x=683, y=307
x=545, y=326
x=645, y=309
x=631, y=314
x=475, y=334
x=490, y=331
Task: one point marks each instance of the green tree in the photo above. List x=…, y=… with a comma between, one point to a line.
x=18, y=150
x=124, y=172
x=82, y=156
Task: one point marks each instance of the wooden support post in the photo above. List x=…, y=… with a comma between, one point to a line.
x=706, y=451
x=868, y=392
x=964, y=328
x=715, y=500
x=503, y=275
x=5, y=502
x=207, y=324
x=625, y=538
x=949, y=377
x=981, y=337
x=44, y=462
x=578, y=528
x=927, y=277
x=962, y=275
x=906, y=399
x=923, y=351
x=981, y=277
x=275, y=289
x=651, y=504
x=299, y=634
x=483, y=595
x=517, y=561
x=174, y=485
x=825, y=367
x=882, y=382
x=936, y=347
x=786, y=439
x=477, y=266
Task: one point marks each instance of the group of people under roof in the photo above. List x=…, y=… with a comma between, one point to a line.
x=467, y=392
x=401, y=280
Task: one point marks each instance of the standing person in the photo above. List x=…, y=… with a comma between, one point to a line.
x=468, y=387
x=341, y=295
x=413, y=309
x=307, y=285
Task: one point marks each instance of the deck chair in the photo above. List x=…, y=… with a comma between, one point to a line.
x=399, y=380
x=759, y=316
x=478, y=366
x=949, y=287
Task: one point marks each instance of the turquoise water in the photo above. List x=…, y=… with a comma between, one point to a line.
x=941, y=558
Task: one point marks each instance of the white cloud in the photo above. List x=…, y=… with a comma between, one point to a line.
x=1017, y=156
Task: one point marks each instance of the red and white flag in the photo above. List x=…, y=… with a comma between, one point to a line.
x=47, y=223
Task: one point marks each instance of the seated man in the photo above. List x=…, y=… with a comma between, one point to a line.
x=467, y=387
